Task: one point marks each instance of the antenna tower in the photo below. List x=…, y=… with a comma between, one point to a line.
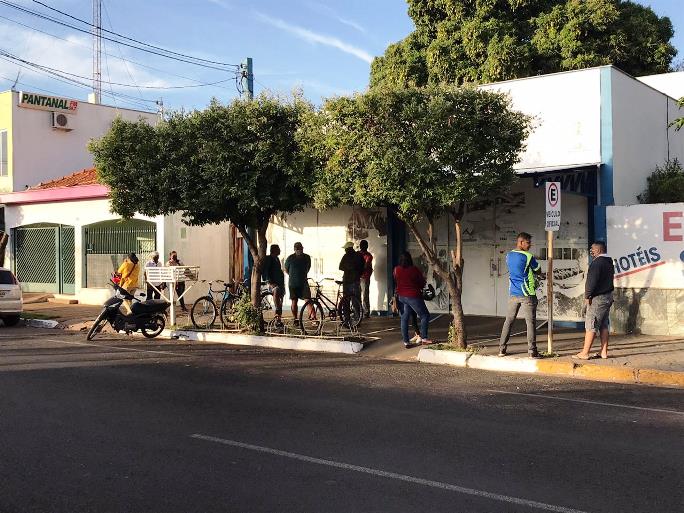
x=97, y=50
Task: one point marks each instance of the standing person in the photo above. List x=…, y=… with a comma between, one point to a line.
x=409, y=288
x=153, y=262
x=351, y=265
x=523, y=270
x=598, y=298
x=130, y=273
x=366, y=276
x=180, y=285
x=272, y=274
x=297, y=267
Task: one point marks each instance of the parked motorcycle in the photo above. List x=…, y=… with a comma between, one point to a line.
x=146, y=316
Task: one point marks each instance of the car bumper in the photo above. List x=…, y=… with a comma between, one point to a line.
x=11, y=307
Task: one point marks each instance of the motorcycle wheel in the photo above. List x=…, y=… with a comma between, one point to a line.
x=97, y=325
x=154, y=326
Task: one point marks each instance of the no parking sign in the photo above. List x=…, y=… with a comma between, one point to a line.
x=553, y=206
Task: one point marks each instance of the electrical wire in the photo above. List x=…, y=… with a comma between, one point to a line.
x=55, y=70
x=132, y=39
x=109, y=20
x=79, y=43
x=59, y=22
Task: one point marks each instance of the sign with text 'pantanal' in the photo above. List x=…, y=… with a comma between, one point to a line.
x=553, y=206
x=646, y=243
x=44, y=102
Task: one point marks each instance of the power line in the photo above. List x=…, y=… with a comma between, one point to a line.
x=118, y=47
x=132, y=39
x=79, y=43
x=59, y=22
x=55, y=70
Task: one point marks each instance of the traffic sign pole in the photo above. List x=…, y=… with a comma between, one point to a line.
x=553, y=218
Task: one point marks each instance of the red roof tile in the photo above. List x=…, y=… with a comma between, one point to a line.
x=85, y=177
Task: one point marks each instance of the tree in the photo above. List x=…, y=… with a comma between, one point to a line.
x=665, y=185
x=242, y=162
x=422, y=152
x=462, y=41
x=679, y=122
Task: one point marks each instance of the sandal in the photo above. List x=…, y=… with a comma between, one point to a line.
x=597, y=356
x=578, y=357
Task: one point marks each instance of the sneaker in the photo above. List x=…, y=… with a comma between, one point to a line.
x=535, y=356
x=415, y=339
x=502, y=353
x=426, y=342
x=409, y=345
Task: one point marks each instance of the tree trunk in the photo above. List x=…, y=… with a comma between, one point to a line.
x=259, y=263
x=460, y=334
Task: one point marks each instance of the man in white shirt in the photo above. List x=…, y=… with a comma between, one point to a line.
x=153, y=262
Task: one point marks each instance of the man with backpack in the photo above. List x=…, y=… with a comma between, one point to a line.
x=523, y=271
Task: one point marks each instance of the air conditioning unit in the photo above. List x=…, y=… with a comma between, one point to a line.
x=62, y=121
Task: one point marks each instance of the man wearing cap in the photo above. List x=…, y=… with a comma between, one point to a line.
x=297, y=267
x=352, y=266
x=153, y=262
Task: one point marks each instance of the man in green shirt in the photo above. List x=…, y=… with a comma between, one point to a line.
x=297, y=266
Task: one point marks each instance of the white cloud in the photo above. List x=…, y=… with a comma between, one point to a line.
x=329, y=11
x=316, y=38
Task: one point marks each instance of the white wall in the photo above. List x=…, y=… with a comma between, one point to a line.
x=324, y=233
x=640, y=135
x=672, y=84
x=42, y=153
x=566, y=108
x=76, y=214
x=205, y=246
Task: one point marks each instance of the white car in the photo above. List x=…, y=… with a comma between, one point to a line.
x=11, y=299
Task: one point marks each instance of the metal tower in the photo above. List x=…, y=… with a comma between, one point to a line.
x=97, y=50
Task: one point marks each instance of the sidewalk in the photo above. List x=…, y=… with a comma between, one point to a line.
x=628, y=353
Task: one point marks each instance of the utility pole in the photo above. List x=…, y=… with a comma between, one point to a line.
x=97, y=51
x=247, y=77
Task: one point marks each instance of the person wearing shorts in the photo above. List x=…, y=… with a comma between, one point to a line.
x=297, y=267
x=598, y=298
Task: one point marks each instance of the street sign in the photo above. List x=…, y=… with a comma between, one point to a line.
x=553, y=206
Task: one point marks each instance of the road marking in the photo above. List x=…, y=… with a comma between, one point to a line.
x=390, y=475
x=380, y=331
x=132, y=349
x=587, y=401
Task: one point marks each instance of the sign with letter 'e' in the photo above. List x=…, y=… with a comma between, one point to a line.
x=553, y=206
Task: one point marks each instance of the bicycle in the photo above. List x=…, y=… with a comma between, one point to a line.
x=204, y=310
x=345, y=307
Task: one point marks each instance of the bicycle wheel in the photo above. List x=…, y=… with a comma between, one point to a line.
x=203, y=313
x=97, y=326
x=267, y=306
x=351, y=312
x=228, y=317
x=154, y=326
x=311, y=318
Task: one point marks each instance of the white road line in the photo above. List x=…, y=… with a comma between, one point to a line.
x=587, y=401
x=380, y=331
x=132, y=349
x=390, y=475
x=435, y=318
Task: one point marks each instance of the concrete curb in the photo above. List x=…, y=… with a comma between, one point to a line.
x=40, y=323
x=553, y=367
x=296, y=344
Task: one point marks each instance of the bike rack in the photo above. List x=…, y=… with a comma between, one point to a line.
x=173, y=275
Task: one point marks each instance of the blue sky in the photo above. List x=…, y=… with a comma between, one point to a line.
x=323, y=47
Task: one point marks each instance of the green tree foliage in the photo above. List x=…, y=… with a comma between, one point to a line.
x=242, y=162
x=665, y=185
x=422, y=152
x=467, y=41
x=679, y=122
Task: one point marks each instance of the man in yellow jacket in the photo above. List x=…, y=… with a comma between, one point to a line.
x=130, y=273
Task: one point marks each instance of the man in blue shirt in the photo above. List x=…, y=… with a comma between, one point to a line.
x=523, y=269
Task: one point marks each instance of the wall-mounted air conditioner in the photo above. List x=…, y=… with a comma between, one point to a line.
x=62, y=121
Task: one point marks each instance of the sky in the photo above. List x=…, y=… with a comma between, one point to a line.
x=321, y=47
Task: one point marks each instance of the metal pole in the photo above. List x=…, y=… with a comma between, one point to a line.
x=97, y=50
x=172, y=299
x=247, y=77
x=549, y=289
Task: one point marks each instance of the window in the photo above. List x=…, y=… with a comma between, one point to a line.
x=3, y=153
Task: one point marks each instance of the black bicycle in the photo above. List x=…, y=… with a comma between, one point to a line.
x=206, y=309
x=345, y=309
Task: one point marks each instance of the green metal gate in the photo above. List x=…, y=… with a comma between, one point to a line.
x=44, y=258
x=108, y=243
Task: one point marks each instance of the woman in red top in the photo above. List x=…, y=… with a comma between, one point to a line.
x=409, y=283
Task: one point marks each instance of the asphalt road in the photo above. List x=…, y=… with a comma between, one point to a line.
x=121, y=425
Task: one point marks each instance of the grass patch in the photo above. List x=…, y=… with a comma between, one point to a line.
x=445, y=346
